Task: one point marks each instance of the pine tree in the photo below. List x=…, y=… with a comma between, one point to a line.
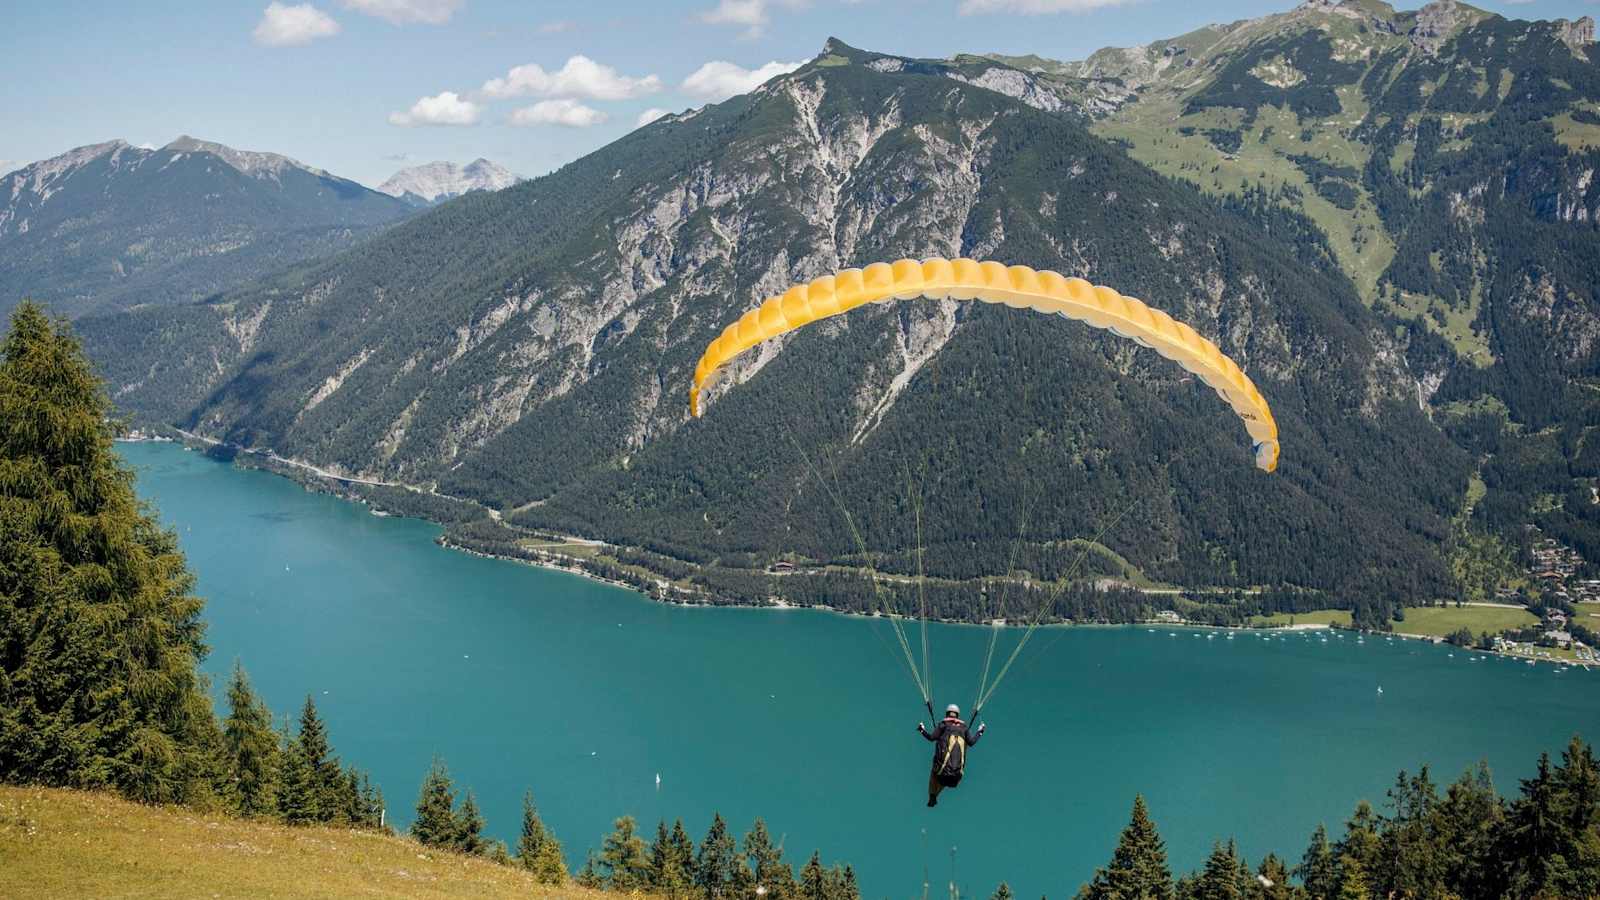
x=1353, y=880
x=766, y=865
x=435, y=824
x=682, y=849
x=1219, y=880
x=589, y=875
x=848, y=889
x=549, y=867
x=533, y=833
x=814, y=878
x=1273, y=880
x=99, y=633
x=326, y=778
x=1361, y=837
x=667, y=873
x=298, y=803
x=496, y=852
x=1138, y=868
x=1003, y=892
x=469, y=827
x=622, y=857
x=251, y=748
x=1470, y=817
x=1319, y=868
x=714, y=867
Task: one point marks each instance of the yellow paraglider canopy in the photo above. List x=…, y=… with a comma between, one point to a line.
x=1015, y=286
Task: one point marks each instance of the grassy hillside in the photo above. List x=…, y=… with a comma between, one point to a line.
x=61, y=843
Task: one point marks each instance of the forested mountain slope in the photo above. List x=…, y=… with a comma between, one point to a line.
x=532, y=349
x=1449, y=156
x=111, y=226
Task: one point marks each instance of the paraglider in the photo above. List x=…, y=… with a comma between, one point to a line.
x=1018, y=287
x=1015, y=286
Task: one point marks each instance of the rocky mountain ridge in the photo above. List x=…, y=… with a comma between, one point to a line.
x=438, y=181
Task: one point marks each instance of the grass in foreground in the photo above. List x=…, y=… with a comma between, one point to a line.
x=61, y=843
x=1340, y=617
x=1442, y=620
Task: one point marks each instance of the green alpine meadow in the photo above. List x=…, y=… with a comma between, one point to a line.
x=1128, y=451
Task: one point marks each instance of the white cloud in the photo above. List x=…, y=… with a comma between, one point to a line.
x=444, y=108
x=1034, y=7
x=567, y=113
x=405, y=12
x=7, y=166
x=288, y=26
x=580, y=77
x=752, y=14
x=718, y=80
x=650, y=115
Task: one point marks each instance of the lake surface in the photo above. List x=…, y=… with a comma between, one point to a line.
x=521, y=678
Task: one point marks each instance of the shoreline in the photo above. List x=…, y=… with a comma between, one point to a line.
x=666, y=592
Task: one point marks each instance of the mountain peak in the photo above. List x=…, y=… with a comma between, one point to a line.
x=250, y=162
x=441, y=180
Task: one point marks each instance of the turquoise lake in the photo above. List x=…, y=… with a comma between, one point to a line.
x=520, y=677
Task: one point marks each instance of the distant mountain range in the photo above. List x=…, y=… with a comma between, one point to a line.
x=1389, y=218
x=111, y=226
x=437, y=182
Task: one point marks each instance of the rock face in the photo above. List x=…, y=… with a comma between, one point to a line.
x=1579, y=34
x=436, y=182
x=109, y=225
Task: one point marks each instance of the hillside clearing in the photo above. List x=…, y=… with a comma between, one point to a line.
x=1440, y=621
x=62, y=843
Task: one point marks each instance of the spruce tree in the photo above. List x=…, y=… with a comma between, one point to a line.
x=1003, y=892
x=667, y=873
x=99, y=633
x=1219, y=880
x=589, y=876
x=766, y=865
x=251, y=747
x=549, y=867
x=682, y=848
x=496, y=852
x=1272, y=882
x=1138, y=868
x=714, y=867
x=533, y=833
x=1353, y=880
x=327, y=781
x=622, y=858
x=1319, y=868
x=469, y=828
x=1470, y=817
x=814, y=878
x=435, y=824
x=298, y=802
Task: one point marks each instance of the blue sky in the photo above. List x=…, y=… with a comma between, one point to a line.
x=364, y=87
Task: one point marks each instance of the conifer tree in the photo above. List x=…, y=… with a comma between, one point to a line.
x=848, y=888
x=469, y=827
x=1361, y=837
x=497, y=853
x=327, y=781
x=1353, y=880
x=766, y=865
x=99, y=633
x=814, y=878
x=533, y=833
x=714, y=867
x=251, y=747
x=1138, y=868
x=1273, y=881
x=1219, y=880
x=1470, y=816
x=667, y=873
x=1003, y=892
x=298, y=802
x=435, y=824
x=622, y=858
x=589, y=876
x=1319, y=868
x=682, y=848
x=549, y=867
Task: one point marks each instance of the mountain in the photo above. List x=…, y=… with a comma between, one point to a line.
x=532, y=348
x=436, y=182
x=1448, y=156
x=111, y=226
